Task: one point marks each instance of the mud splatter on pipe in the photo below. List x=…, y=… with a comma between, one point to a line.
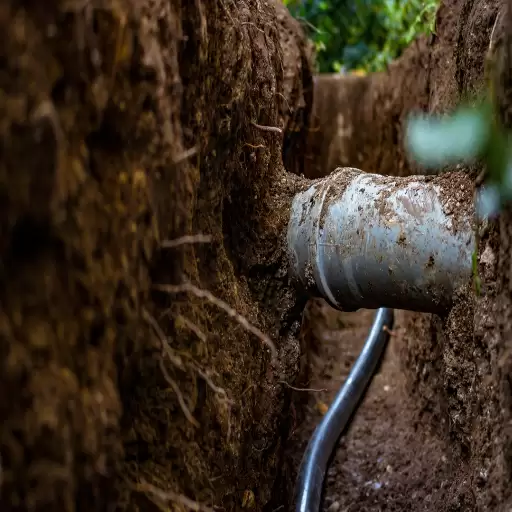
x=363, y=240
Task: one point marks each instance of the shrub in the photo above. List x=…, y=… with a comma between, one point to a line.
x=362, y=35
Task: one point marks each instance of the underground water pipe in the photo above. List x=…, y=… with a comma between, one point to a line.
x=364, y=240
x=368, y=241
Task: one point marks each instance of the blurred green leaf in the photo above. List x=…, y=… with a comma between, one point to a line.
x=462, y=137
x=470, y=133
x=488, y=202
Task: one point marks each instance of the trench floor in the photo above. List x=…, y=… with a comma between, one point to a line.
x=389, y=459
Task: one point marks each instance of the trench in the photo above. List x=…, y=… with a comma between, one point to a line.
x=143, y=270
x=388, y=458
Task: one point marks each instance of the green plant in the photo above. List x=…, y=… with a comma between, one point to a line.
x=362, y=34
x=471, y=133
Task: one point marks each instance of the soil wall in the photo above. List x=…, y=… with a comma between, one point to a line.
x=357, y=121
x=457, y=367
x=124, y=126
x=127, y=125
x=455, y=364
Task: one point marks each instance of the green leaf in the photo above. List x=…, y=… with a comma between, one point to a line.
x=488, y=202
x=383, y=28
x=434, y=143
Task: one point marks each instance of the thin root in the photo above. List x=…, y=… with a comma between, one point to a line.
x=205, y=294
x=254, y=25
x=227, y=13
x=189, y=153
x=247, y=389
x=389, y=331
x=273, y=129
x=286, y=101
x=491, y=39
x=187, y=239
x=220, y=392
x=169, y=352
x=164, y=497
x=194, y=328
x=301, y=389
x=253, y=146
x=220, y=395
x=166, y=350
x=179, y=394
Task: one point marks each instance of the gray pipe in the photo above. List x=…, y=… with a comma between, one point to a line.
x=368, y=241
x=308, y=493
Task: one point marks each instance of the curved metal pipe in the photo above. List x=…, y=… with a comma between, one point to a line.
x=321, y=446
x=365, y=241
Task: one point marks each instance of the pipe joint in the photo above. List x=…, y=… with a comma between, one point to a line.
x=364, y=240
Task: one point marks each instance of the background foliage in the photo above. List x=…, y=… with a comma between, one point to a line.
x=362, y=35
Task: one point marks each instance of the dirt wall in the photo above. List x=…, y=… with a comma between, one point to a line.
x=124, y=126
x=455, y=363
x=357, y=121
x=457, y=367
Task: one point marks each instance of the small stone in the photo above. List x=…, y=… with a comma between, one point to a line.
x=487, y=257
x=334, y=507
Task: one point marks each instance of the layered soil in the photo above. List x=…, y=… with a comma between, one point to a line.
x=126, y=126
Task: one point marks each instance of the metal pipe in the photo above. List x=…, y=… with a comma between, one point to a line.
x=309, y=486
x=364, y=240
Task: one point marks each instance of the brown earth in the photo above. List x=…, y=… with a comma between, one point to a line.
x=357, y=121
x=126, y=124
x=388, y=459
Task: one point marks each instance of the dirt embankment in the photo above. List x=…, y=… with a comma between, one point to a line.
x=456, y=369
x=124, y=125
x=357, y=121
x=455, y=364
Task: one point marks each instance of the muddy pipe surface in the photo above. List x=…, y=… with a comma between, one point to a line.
x=363, y=240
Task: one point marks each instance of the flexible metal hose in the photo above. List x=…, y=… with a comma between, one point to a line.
x=321, y=446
